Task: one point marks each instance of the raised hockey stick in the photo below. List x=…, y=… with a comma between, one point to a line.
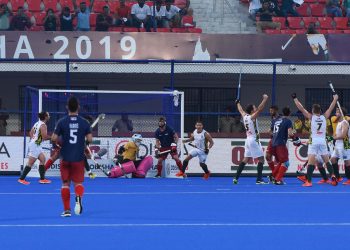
x=99, y=117
x=338, y=104
x=288, y=42
x=238, y=94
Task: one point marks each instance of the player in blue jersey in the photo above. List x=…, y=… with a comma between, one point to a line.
x=166, y=140
x=282, y=129
x=74, y=130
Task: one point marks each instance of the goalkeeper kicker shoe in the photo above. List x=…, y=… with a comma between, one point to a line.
x=66, y=213
x=78, y=209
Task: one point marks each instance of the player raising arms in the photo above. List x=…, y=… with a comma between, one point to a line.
x=38, y=134
x=166, y=139
x=73, y=129
x=252, y=146
x=201, y=139
x=317, y=141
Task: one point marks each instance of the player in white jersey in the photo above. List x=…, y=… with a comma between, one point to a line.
x=38, y=134
x=252, y=146
x=202, y=143
x=317, y=141
x=342, y=145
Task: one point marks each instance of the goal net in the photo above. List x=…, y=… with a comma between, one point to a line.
x=126, y=113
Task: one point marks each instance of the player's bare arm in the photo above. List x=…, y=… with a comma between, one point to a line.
x=89, y=138
x=189, y=139
x=158, y=143
x=240, y=109
x=331, y=107
x=260, y=107
x=344, y=131
x=301, y=107
x=209, y=139
x=43, y=131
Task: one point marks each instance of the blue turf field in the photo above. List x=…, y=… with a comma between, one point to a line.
x=176, y=214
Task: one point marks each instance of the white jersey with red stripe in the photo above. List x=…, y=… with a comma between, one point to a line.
x=251, y=126
x=318, y=130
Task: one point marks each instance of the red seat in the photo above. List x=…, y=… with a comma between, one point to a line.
x=131, y=29
x=116, y=29
x=149, y=3
x=50, y=4
x=308, y=20
x=187, y=21
x=326, y=23
x=179, y=30
x=272, y=32
x=334, y=31
x=86, y=1
x=322, y=1
x=39, y=18
x=67, y=3
x=113, y=6
x=317, y=10
x=294, y=22
x=322, y=32
x=341, y=22
x=16, y=3
x=288, y=32
x=346, y=31
x=195, y=30
x=299, y=32
x=35, y=5
x=142, y=30
x=280, y=20
x=163, y=30
x=93, y=19
x=98, y=6
x=304, y=10
x=36, y=28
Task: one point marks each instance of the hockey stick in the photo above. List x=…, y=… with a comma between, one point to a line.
x=238, y=94
x=288, y=42
x=192, y=145
x=98, y=166
x=338, y=104
x=300, y=172
x=99, y=117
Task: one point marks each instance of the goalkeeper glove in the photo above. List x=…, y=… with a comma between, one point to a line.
x=294, y=95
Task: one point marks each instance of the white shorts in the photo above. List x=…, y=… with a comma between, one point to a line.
x=34, y=150
x=317, y=149
x=201, y=155
x=341, y=153
x=252, y=148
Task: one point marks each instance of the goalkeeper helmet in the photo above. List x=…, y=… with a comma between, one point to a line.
x=137, y=138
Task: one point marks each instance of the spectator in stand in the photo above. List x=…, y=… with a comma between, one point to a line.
x=83, y=15
x=226, y=122
x=254, y=6
x=20, y=21
x=4, y=116
x=123, y=125
x=346, y=5
x=187, y=20
x=141, y=15
x=104, y=20
x=122, y=15
x=159, y=14
x=172, y=15
x=184, y=6
x=288, y=7
x=50, y=21
x=266, y=15
x=275, y=7
x=238, y=126
x=333, y=8
x=301, y=125
x=66, y=20
x=5, y=14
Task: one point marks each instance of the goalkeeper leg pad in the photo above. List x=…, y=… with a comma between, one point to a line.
x=145, y=165
x=123, y=169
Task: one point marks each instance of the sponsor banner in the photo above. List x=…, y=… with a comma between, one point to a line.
x=11, y=153
x=185, y=46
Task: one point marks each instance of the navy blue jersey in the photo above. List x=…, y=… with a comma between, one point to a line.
x=73, y=130
x=280, y=128
x=165, y=137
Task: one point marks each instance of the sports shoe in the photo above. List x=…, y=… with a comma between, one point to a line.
x=346, y=182
x=92, y=175
x=278, y=183
x=158, y=176
x=78, y=209
x=307, y=184
x=271, y=179
x=66, y=213
x=323, y=181
x=24, y=182
x=302, y=178
x=334, y=181
x=206, y=176
x=261, y=182
x=235, y=181
x=180, y=173
x=340, y=179
x=44, y=181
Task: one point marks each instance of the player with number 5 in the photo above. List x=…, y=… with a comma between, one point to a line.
x=74, y=130
x=317, y=141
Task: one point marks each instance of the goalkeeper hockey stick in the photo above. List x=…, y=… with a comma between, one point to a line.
x=338, y=104
x=99, y=117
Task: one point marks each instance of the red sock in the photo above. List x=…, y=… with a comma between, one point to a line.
x=65, y=194
x=179, y=165
x=159, y=169
x=271, y=165
x=280, y=174
x=79, y=190
x=276, y=170
x=48, y=164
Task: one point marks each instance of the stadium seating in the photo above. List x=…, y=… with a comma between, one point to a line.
x=325, y=23
x=287, y=31
x=341, y=23
x=308, y=20
x=35, y=5
x=295, y=22
x=280, y=20
x=317, y=10
x=334, y=32
x=16, y=3
x=273, y=32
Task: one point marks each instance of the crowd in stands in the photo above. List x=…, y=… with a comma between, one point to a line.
x=97, y=15
x=295, y=16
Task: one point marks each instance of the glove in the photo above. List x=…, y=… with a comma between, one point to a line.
x=87, y=143
x=296, y=141
x=206, y=151
x=173, y=147
x=156, y=153
x=329, y=138
x=294, y=95
x=237, y=101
